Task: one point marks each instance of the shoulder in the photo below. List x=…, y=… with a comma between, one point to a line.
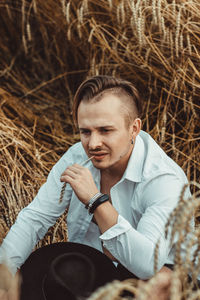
x=75, y=154
x=162, y=178
x=157, y=162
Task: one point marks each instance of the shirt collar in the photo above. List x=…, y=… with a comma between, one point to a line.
x=134, y=168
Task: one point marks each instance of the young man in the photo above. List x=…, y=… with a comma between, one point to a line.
x=139, y=182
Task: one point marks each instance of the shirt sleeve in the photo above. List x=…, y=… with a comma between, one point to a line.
x=135, y=247
x=34, y=220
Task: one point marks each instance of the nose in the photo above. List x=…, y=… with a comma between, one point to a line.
x=95, y=141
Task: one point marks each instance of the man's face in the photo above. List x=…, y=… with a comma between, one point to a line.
x=104, y=133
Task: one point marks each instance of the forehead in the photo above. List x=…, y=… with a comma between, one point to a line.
x=108, y=110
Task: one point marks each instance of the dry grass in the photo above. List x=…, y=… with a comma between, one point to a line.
x=25, y=162
x=49, y=47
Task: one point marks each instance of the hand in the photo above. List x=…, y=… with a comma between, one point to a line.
x=81, y=181
x=9, y=284
x=159, y=285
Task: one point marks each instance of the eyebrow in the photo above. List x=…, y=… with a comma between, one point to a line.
x=100, y=127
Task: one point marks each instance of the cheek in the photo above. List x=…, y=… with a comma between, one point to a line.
x=116, y=144
x=122, y=145
x=122, y=140
x=84, y=142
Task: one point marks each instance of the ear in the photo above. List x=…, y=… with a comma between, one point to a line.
x=136, y=127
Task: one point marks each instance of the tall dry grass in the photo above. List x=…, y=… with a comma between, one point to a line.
x=49, y=47
x=25, y=162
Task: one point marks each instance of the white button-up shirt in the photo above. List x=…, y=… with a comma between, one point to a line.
x=144, y=197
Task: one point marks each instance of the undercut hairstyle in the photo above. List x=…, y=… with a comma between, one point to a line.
x=94, y=88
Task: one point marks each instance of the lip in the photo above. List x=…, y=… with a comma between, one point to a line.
x=98, y=156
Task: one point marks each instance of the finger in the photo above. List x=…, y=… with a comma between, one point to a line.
x=74, y=168
x=67, y=178
x=71, y=173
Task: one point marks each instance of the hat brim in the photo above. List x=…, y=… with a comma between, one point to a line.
x=37, y=265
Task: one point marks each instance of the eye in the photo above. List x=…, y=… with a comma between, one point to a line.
x=85, y=131
x=105, y=130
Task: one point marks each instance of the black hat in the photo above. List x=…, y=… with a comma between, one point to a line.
x=65, y=271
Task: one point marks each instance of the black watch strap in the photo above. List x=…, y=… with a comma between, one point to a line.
x=101, y=199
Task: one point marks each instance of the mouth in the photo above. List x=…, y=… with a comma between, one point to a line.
x=99, y=156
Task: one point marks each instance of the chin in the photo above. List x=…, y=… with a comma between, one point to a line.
x=100, y=165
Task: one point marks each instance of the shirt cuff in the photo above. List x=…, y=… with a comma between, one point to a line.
x=121, y=227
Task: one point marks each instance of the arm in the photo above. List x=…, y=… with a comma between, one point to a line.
x=134, y=248
x=33, y=221
x=106, y=216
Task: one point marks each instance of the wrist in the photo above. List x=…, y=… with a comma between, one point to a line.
x=92, y=200
x=96, y=201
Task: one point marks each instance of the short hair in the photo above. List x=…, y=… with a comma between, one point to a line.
x=94, y=88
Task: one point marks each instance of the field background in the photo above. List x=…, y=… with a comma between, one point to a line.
x=47, y=48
